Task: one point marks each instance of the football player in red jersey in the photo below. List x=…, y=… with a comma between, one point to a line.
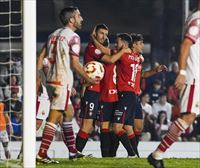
x=123, y=116
x=108, y=99
x=137, y=48
x=90, y=100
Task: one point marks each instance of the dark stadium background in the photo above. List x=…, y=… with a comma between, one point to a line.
x=160, y=21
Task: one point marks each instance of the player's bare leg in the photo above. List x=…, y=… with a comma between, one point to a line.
x=6, y=150
x=176, y=129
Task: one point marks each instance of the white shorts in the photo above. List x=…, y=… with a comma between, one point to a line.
x=4, y=136
x=43, y=108
x=189, y=99
x=59, y=96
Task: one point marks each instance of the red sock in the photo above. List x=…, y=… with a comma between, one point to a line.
x=175, y=130
x=69, y=137
x=47, y=138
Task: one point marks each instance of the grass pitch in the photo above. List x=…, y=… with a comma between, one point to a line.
x=111, y=163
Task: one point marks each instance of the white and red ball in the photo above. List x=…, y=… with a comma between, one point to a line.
x=94, y=70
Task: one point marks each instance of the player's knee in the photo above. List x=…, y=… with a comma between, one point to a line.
x=87, y=127
x=105, y=125
x=5, y=144
x=38, y=123
x=189, y=118
x=129, y=129
x=117, y=128
x=138, y=128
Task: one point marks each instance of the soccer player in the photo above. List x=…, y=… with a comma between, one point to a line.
x=43, y=105
x=90, y=100
x=63, y=49
x=137, y=49
x=4, y=122
x=108, y=100
x=188, y=83
x=123, y=116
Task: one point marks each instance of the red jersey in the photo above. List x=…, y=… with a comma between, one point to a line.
x=138, y=70
x=128, y=78
x=108, y=84
x=92, y=53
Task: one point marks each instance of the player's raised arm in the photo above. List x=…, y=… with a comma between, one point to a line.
x=103, y=48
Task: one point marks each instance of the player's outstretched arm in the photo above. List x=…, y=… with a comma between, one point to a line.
x=113, y=58
x=147, y=74
x=79, y=69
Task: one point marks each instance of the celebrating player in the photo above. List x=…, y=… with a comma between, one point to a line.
x=90, y=101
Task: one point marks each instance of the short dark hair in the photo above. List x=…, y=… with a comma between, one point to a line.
x=66, y=14
x=101, y=26
x=136, y=37
x=125, y=37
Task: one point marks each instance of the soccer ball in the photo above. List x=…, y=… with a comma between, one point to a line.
x=94, y=70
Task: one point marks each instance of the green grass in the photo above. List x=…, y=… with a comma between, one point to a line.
x=114, y=163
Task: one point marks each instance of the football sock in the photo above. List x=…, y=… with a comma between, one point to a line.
x=114, y=144
x=105, y=142
x=81, y=140
x=47, y=138
x=69, y=137
x=137, y=136
x=133, y=142
x=175, y=130
x=125, y=142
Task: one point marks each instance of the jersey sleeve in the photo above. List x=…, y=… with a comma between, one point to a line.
x=74, y=46
x=193, y=30
x=97, y=54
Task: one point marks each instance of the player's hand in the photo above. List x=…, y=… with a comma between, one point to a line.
x=126, y=50
x=93, y=81
x=161, y=68
x=180, y=81
x=93, y=34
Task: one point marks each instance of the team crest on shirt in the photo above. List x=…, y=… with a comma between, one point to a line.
x=97, y=51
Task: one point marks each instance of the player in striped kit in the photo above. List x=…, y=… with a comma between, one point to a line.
x=188, y=82
x=63, y=49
